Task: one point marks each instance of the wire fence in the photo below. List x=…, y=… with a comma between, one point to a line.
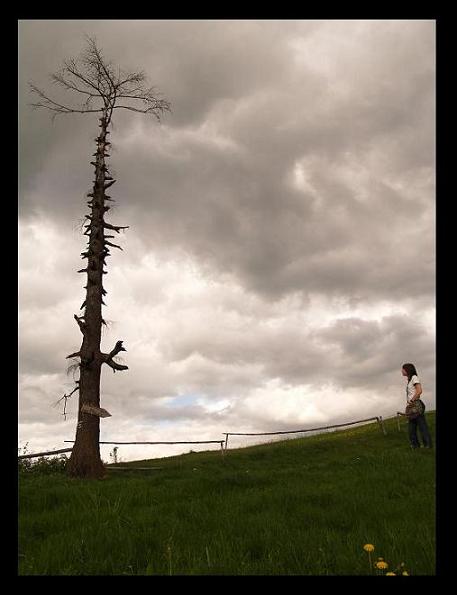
x=377, y=418
x=220, y=442
x=224, y=443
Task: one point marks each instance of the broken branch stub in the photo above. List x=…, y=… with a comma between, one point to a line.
x=113, y=245
x=82, y=326
x=115, y=366
x=108, y=357
x=92, y=410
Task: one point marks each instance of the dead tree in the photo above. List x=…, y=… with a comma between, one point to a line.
x=104, y=88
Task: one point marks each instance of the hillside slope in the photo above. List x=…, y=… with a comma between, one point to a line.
x=302, y=506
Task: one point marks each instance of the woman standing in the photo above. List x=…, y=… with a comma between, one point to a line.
x=413, y=393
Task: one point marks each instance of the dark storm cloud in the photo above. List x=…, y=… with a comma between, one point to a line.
x=217, y=178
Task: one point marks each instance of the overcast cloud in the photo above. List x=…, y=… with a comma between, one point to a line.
x=280, y=261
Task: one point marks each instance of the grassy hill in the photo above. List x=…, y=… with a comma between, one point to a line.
x=303, y=506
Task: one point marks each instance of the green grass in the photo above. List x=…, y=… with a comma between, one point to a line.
x=303, y=506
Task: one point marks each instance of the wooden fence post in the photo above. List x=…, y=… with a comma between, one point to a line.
x=226, y=441
x=398, y=422
x=381, y=423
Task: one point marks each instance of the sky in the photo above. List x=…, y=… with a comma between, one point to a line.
x=279, y=265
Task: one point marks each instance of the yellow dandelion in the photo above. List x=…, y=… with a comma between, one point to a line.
x=381, y=565
x=368, y=547
x=390, y=574
x=404, y=573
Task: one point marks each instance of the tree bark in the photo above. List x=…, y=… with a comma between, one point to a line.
x=85, y=458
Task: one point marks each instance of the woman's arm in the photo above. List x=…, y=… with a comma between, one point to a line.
x=418, y=392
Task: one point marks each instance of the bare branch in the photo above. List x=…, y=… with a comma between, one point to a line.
x=134, y=77
x=115, y=228
x=72, y=68
x=94, y=58
x=72, y=368
x=116, y=366
x=96, y=78
x=65, y=398
x=48, y=103
x=156, y=109
x=117, y=348
x=113, y=245
x=108, y=357
x=60, y=79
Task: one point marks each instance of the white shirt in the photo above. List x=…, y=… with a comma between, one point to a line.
x=410, y=388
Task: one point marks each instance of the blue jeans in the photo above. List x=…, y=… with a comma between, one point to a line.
x=421, y=423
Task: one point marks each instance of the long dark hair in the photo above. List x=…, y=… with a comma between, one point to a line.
x=410, y=369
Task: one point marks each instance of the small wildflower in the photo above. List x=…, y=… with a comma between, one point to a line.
x=390, y=574
x=368, y=547
x=381, y=559
x=381, y=565
x=404, y=573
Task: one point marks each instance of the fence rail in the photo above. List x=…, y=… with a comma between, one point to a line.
x=43, y=454
x=377, y=418
x=186, y=442
x=221, y=442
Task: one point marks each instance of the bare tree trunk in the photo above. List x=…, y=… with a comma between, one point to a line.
x=100, y=83
x=85, y=458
